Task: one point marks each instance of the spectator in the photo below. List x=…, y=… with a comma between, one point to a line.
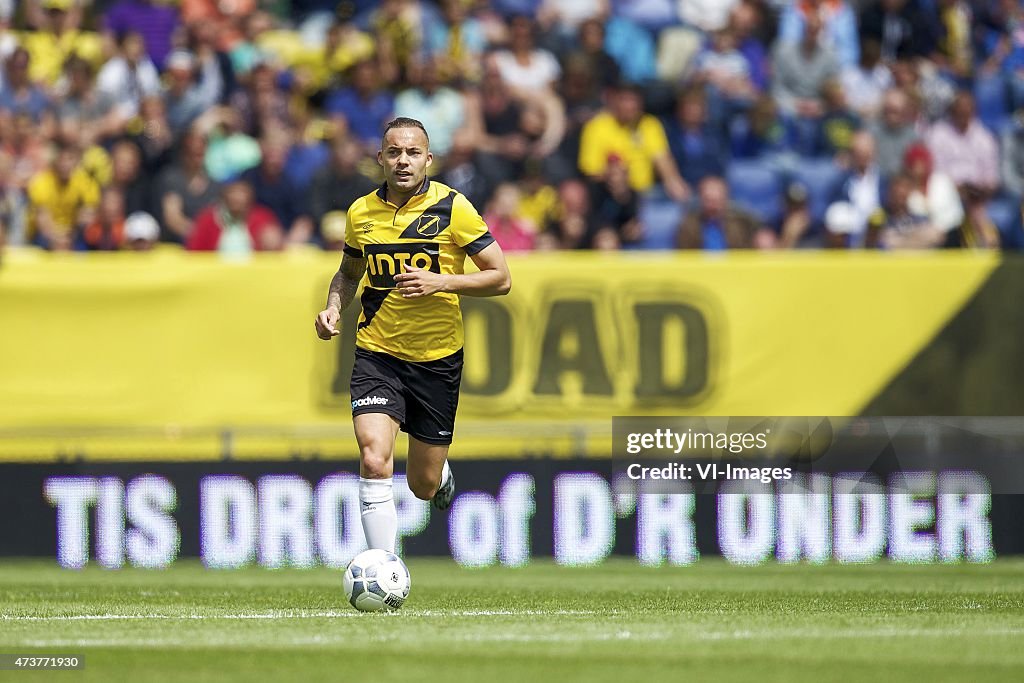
x=839, y=26
x=744, y=22
x=838, y=123
x=141, y=231
x=955, y=40
x=185, y=100
x=900, y=27
x=616, y=208
x=151, y=132
x=525, y=68
x=332, y=230
x=632, y=48
x=510, y=230
x=966, y=151
x=894, y=131
x=800, y=70
x=58, y=37
x=185, y=189
x=363, y=108
x=457, y=43
x=464, y=170
x=717, y=224
x=84, y=109
x=579, y=93
x=567, y=17
x=127, y=177
x=225, y=17
x=761, y=133
x=861, y=190
x=495, y=119
x=62, y=200
x=696, y=146
x=156, y=21
x=19, y=95
x=591, y=49
x=652, y=15
x=933, y=194
x=897, y=226
x=866, y=82
x=573, y=226
x=129, y=76
x=796, y=217
x=708, y=16
x=106, y=231
x=24, y=150
x=260, y=101
x=340, y=183
x=397, y=28
x=235, y=226
x=230, y=151
x=309, y=151
x=273, y=189
x=724, y=68
x=441, y=109
x=213, y=71
x=931, y=92
x=344, y=47
x=624, y=130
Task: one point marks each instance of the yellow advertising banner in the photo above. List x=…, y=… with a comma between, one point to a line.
x=201, y=351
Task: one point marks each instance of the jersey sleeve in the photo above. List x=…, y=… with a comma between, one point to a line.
x=469, y=230
x=352, y=247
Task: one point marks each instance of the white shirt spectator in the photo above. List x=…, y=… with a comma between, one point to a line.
x=941, y=203
x=540, y=73
x=572, y=13
x=864, y=198
x=128, y=86
x=864, y=88
x=707, y=15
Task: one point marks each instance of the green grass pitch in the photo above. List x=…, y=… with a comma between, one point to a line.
x=615, y=622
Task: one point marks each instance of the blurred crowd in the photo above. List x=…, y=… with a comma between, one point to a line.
x=242, y=125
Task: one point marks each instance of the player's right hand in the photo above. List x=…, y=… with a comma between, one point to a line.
x=327, y=322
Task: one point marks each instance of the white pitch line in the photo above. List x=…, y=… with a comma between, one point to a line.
x=540, y=638
x=299, y=615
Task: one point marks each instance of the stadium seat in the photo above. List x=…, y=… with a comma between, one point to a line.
x=993, y=105
x=757, y=188
x=821, y=177
x=660, y=217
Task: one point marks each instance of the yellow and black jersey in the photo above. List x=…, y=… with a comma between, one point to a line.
x=435, y=230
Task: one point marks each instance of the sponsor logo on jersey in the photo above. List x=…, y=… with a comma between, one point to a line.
x=370, y=401
x=385, y=261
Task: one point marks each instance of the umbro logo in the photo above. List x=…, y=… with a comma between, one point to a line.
x=366, y=227
x=444, y=433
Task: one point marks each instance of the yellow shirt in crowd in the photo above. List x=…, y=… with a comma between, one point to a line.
x=62, y=201
x=604, y=136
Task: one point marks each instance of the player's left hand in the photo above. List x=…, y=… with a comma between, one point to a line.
x=416, y=282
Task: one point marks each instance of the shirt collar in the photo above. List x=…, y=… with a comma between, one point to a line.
x=382, y=191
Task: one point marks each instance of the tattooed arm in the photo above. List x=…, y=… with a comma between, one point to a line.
x=339, y=295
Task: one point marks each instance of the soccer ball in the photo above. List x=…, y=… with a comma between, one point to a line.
x=377, y=580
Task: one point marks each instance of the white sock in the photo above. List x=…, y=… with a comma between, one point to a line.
x=446, y=472
x=380, y=520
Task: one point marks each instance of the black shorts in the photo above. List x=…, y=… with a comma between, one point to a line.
x=423, y=397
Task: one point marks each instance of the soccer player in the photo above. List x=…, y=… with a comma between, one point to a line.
x=411, y=238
